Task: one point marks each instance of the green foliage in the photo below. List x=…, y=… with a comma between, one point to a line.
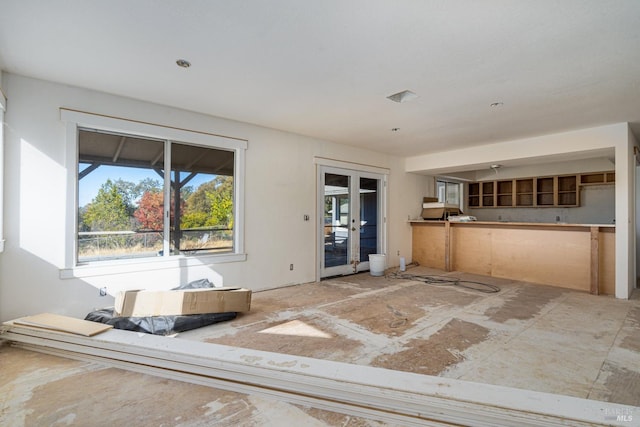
x=210, y=205
x=114, y=208
x=144, y=186
x=108, y=211
x=194, y=219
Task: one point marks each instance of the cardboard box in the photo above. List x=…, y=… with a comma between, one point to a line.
x=436, y=210
x=140, y=303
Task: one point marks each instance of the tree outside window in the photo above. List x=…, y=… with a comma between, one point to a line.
x=121, y=191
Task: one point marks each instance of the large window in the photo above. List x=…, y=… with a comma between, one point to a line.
x=144, y=196
x=121, y=194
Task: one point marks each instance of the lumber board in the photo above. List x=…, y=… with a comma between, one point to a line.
x=595, y=261
x=554, y=257
x=61, y=323
x=471, y=247
x=428, y=245
x=447, y=246
x=390, y=396
x=607, y=262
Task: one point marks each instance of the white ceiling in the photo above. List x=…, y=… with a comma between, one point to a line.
x=324, y=68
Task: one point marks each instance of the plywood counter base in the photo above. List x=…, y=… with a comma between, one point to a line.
x=575, y=256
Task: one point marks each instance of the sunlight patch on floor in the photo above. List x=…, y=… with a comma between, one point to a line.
x=296, y=328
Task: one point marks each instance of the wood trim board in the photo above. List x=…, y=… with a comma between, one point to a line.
x=375, y=393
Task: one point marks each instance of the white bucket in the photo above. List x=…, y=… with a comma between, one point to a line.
x=376, y=264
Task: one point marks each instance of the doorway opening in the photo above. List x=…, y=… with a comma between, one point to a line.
x=351, y=220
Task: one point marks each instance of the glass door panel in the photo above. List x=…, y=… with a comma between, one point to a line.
x=369, y=213
x=337, y=208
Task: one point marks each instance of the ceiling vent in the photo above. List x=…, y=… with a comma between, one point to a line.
x=404, y=96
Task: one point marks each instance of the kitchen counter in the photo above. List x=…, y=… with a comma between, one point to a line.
x=507, y=223
x=575, y=256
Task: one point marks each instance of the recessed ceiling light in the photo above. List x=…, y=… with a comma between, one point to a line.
x=404, y=96
x=496, y=104
x=183, y=63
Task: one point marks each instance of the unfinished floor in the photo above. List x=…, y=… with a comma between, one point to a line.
x=525, y=336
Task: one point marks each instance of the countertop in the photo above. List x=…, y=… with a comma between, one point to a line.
x=508, y=223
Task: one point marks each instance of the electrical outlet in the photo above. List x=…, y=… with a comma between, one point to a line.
x=103, y=291
x=291, y=267
x=398, y=253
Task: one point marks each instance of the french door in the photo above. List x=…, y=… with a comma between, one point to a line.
x=351, y=219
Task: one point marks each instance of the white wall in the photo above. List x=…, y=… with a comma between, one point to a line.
x=280, y=190
x=3, y=105
x=632, y=150
x=582, y=143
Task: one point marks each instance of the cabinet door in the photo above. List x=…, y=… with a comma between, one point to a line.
x=524, y=192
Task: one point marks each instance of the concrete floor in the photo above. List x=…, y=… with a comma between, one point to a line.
x=526, y=336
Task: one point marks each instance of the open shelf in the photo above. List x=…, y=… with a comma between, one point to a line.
x=474, y=195
x=504, y=193
x=597, y=178
x=524, y=192
x=568, y=190
x=544, y=192
x=488, y=194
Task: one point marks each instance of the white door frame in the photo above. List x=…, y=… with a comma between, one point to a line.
x=356, y=172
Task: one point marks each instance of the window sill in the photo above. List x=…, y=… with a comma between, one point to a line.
x=105, y=268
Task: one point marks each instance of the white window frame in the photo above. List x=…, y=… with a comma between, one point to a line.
x=450, y=182
x=75, y=120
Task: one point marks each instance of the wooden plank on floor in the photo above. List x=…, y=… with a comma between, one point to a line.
x=60, y=323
